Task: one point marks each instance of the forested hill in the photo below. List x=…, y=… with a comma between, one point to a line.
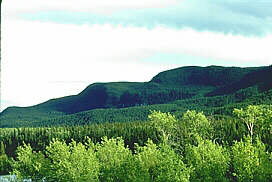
x=261, y=78
x=210, y=76
x=183, y=83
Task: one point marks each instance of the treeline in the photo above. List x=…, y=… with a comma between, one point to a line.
x=39, y=138
x=99, y=97
x=217, y=105
x=190, y=148
x=226, y=129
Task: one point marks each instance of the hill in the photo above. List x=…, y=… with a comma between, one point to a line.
x=193, y=85
x=260, y=77
x=215, y=76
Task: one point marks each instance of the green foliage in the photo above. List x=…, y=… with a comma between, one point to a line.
x=64, y=162
x=39, y=138
x=163, y=122
x=251, y=116
x=112, y=154
x=132, y=170
x=209, y=160
x=2, y=148
x=197, y=123
x=258, y=120
x=30, y=164
x=161, y=163
x=251, y=161
x=187, y=147
x=191, y=126
x=5, y=164
x=170, y=167
x=107, y=161
x=73, y=162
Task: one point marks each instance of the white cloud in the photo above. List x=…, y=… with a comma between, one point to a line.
x=97, y=6
x=36, y=55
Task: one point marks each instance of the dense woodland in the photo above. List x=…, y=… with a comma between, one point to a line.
x=211, y=106
x=192, y=148
x=177, y=127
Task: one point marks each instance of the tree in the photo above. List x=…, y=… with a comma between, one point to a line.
x=29, y=164
x=4, y=160
x=4, y=164
x=112, y=155
x=179, y=133
x=73, y=162
x=251, y=161
x=160, y=163
x=2, y=148
x=196, y=123
x=209, y=160
x=163, y=122
x=251, y=116
x=190, y=127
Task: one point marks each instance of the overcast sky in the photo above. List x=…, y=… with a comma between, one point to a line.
x=54, y=48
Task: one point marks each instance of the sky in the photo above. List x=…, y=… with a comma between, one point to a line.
x=57, y=48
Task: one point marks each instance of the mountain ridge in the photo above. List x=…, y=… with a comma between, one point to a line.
x=167, y=86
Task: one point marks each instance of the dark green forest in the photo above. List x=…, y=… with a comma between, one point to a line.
x=187, y=124
x=212, y=89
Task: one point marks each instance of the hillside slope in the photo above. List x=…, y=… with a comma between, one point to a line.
x=216, y=76
x=262, y=78
x=168, y=86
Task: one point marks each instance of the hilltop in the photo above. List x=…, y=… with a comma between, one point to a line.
x=184, y=84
